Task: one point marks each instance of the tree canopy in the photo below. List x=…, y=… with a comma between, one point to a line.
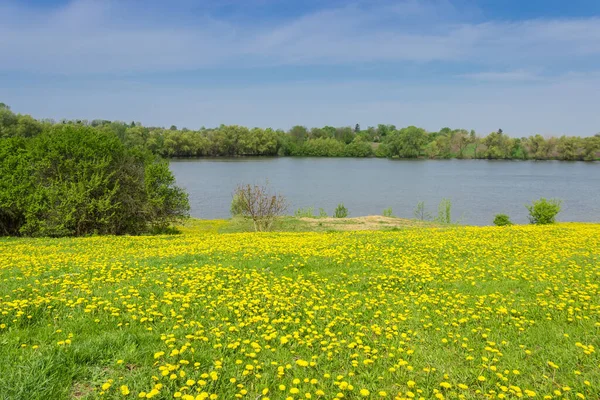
x=384, y=140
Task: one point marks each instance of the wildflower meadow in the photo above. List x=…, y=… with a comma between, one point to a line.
x=424, y=313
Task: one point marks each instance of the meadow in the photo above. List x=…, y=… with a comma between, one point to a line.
x=417, y=313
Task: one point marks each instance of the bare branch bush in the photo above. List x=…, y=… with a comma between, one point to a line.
x=259, y=204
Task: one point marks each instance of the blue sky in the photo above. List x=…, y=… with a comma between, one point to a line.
x=524, y=66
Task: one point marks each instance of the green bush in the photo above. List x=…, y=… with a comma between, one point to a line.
x=340, y=211
x=236, y=209
x=502, y=220
x=73, y=180
x=444, y=212
x=543, y=212
x=322, y=213
x=388, y=212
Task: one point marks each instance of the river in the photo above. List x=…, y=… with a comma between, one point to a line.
x=478, y=189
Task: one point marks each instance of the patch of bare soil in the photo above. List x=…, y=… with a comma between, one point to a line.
x=81, y=390
x=368, y=223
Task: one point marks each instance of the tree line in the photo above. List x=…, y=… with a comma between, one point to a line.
x=380, y=141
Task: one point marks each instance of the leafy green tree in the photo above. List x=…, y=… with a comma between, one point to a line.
x=539, y=148
x=8, y=122
x=460, y=140
x=570, y=148
x=591, y=148
x=345, y=135
x=407, y=142
x=358, y=148
x=432, y=149
x=497, y=145
x=299, y=133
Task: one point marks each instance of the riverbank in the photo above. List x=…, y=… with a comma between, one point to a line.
x=302, y=224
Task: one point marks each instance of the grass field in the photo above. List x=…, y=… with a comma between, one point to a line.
x=464, y=312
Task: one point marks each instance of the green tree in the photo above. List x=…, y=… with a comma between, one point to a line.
x=591, y=148
x=298, y=133
x=8, y=122
x=497, y=145
x=570, y=148
x=407, y=142
x=460, y=140
x=358, y=148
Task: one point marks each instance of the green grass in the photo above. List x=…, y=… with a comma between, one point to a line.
x=379, y=309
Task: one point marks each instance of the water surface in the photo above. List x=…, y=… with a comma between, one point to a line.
x=478, y=189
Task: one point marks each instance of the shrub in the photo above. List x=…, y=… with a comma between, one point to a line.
x=542, y=211
x=322, y=213
x=388, y=212
x=73, y=180
x=444, y=212
x=502, y=220
x=307, y=212
x=340, y=211
x=256, y=202
x=236, y=208
x=421, y=213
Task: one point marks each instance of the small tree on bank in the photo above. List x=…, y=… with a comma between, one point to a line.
x=421, y=213
x=341, y=211
x=257, y=203
x=444, y=212
x=502, y=220
x=543, y=212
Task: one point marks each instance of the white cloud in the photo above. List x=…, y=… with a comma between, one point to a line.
x=524, y=75
x=89, y=36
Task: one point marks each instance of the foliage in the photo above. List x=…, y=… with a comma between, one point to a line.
x=323, y=148
x=542, y=211
x=236, y=209
x=502, y=220
x=307, y=212
x=75, y=180
x=444, y=212
x=166, y=202
x=313, y=313
x=322, y=213
x=407, y=142
x=421, y=213
x=388, y=212
x=358, y=148
x=257, y=203
x=340, y=211
x=327, y=141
